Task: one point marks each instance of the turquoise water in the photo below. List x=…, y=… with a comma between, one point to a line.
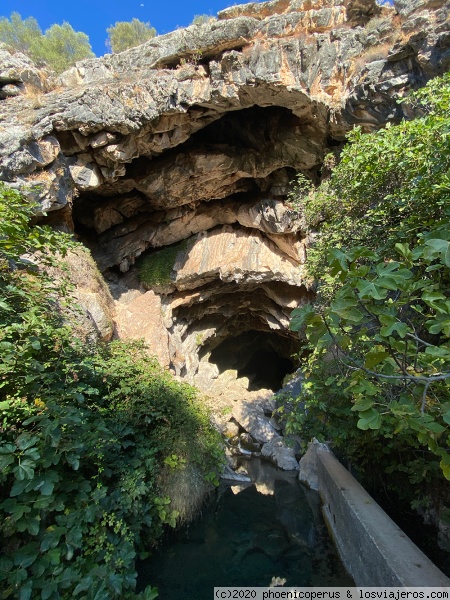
x=247, y=535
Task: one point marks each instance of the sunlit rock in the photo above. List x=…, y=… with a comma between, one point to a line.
x=196, y=138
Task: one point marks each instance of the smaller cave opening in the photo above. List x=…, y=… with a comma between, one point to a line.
x=266, y=369
x=263, y=357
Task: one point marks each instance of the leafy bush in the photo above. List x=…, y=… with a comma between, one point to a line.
x=19, y=34
x=124, y=35
x=378, y=375
x=86, y=434
x=59, y=48
x=388, y=188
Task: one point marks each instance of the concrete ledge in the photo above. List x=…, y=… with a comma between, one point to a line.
x=373, y=548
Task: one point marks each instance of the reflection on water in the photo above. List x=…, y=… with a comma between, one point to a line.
x=248, y=535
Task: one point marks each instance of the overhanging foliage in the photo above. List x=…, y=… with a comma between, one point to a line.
x=86, y=434
x=377, y=380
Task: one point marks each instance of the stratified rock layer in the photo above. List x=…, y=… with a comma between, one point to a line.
x=196, y=136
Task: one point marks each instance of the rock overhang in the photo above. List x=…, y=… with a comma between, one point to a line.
x=197, y=136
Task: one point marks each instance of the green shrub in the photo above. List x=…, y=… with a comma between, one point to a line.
x=87, y=432
x=19, y=34
x=59, y=48
x=378, y=375
x=124, y=35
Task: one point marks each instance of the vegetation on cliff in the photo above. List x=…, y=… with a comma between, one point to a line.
x=155, y=269
x=128, y=34
x=59, y=47
x=89, y=434
x=377, y=379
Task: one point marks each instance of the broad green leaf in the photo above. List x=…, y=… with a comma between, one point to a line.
x=84, y=585
x=384, y=268
x=440, y=323
x=432, y=297
x=300, y=315
x=446, y=417
x=47, y=488
x=316, y=329
x=26, y=591
x=363, y=404
x=43, y=502
x=404, y=250
x=445, y=470
x=346, y=309
x=368, y=289
x=24, y=470
x=16, y=509
x=391, y=324
x=26, y=555
x=7, y=449
x=369, y=419
x=18, y=487
x=441, y=248
x=49, y=589
x=402, y=409
x=5, y=460
x=74, y=461
x=150, y=593
x=36, y=344
x=45, y=483
x=364, y=387
x=394, y=281
x=51, y=538
x=338, y=262
x=434, y=427
x=33, y=525
x=438, y=352
x=25, y=441
x=445, y=464
x=32, y=454
x=55, y=556
x=375, y=357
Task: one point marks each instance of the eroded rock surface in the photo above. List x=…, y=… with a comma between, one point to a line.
x=196, y=137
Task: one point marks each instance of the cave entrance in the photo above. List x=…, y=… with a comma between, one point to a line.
x=266, y=369
x=263, y=357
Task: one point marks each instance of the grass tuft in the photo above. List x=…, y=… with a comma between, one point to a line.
x=156, y=268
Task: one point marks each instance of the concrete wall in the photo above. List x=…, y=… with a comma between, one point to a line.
x=373, y=548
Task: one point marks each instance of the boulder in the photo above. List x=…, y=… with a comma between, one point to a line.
x=17, y=69
x=142, y=318
x=280, y=454
x=231, y=475
x=250, y=416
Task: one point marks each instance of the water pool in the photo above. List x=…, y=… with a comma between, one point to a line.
x=247, y=535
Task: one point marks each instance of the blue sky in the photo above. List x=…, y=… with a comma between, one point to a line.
x=94, y=16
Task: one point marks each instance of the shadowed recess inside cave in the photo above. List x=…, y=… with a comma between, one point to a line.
x=263, y=357
x=244, y=155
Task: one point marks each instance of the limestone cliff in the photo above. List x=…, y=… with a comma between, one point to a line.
x=197, y=135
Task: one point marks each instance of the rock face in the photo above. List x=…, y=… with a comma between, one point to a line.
x=196, y=137
x=18, y=72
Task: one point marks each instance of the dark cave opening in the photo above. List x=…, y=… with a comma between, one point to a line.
x=263, y=357
x=266, y=369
